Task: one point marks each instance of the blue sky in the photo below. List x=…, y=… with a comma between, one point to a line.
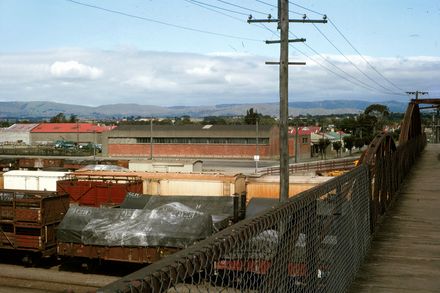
x=60, y=51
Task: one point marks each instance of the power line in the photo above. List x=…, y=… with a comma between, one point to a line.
x=271, y=5
x=305, y=8
x=355, y=80
x=354, y=65
x=214, y=10
x=162, y=22
x=218, y=7
x=351, y=45
x=358, y=82
x=242, y=7
x=371, y=66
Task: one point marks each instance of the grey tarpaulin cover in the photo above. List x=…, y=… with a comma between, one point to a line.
x=76, y=218
x=259, y=204
x=221, y=208
x=103, y=168
x=134, y=200
x=170, y=225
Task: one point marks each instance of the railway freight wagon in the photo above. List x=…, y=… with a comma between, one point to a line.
x=96, y=191
x=145, y=228
x=32, y=180
x=28, y=220
x=196, y=184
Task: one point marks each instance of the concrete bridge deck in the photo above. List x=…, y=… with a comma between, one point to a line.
x=405, y=252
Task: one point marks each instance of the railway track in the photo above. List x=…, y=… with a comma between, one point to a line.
x=10, y=284
x=15, y=278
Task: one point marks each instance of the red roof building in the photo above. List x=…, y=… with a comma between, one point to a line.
x=48, y=133
x=304, y=130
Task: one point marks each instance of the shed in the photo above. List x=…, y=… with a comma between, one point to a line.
x=192, y=141
x=47, y=133
x=17, y=133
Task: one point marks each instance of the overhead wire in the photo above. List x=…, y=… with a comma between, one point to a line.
x=351, y=62
x=350, y=44
x=162, y=22
x=371, y=66
x=214, y=10
x=305, y=8
x=218, y=7
x=242, y=7
x=355, y=80
x=274, y=6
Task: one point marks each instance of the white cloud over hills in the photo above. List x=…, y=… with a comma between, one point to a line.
x=92, y=77
x=74, y=69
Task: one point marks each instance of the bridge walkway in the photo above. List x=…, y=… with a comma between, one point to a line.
x=405, y=252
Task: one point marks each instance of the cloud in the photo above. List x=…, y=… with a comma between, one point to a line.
x=73, y=70
x=150, y=82
x=95, y=77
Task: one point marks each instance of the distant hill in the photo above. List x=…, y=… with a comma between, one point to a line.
x=41, y=109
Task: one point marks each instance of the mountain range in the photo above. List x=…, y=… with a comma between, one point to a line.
x=43, y=110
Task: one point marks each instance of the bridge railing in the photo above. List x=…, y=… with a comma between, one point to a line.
x=314, y=242
x=388, y=171
x=326, y=165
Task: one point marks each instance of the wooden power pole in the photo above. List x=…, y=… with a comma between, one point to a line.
x=417, y=93
x=283, y=24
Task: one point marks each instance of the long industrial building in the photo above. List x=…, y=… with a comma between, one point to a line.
x=199, y=141
x=195, y=141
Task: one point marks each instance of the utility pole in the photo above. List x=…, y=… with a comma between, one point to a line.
x=437, y=127
x=94, y=145
x=283, y=24
x=77, y=133
x=296, y=141
x=417, y=93
x=257, y=156
x=284, y=96
x=151, y=138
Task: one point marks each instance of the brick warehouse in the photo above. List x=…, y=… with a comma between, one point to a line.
x=201, y=141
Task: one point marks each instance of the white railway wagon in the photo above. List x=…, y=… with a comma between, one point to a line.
x=32, y=180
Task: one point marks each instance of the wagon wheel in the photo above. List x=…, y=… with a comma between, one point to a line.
x=31, y=259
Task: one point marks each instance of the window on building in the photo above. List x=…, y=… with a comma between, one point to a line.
x=142, y=140
x=305, y=140
x=202, y=140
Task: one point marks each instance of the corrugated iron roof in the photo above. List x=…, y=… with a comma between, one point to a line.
x=70, y=127
x=20, y=127
x=195, y=130
x=162, y=176
x=26, y=173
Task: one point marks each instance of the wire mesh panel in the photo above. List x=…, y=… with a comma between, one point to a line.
x=314, y=242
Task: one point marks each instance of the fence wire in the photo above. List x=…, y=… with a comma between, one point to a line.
x=314, y=242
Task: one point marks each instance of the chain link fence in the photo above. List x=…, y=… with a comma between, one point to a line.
x=314, y=242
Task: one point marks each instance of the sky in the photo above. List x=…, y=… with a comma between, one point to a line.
x=203, y=52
